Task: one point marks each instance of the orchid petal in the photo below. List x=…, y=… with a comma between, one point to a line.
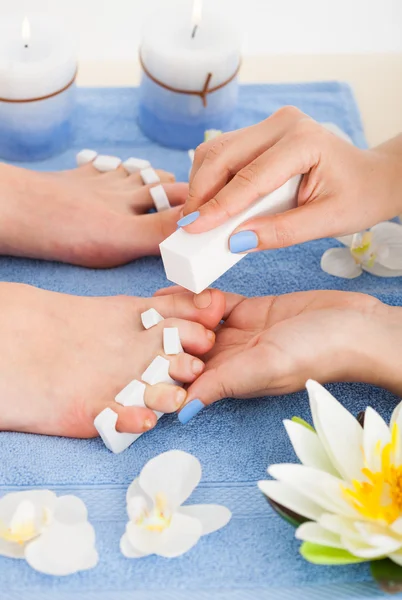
x=211, y=516
x=308, y=447
x=338, y=430
x=182, y=534
x=70, y=510
x=63, y=549
x=376, y=435
x=313, y=532
x=340, y=263
x=12, y=549
x=346, y=240
x=320, y=487
x=172, y=475
x=128, y=550
x=388, y=235
x=380, y=271
x=291, y=499
x=41, y=499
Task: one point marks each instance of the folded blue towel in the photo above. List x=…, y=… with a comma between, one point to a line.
x=256, y=555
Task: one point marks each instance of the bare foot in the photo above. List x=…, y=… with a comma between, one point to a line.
x=65, y=358
x=82, y=216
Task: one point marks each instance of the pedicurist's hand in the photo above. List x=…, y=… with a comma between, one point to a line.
x=343, y=190
x=272, y=345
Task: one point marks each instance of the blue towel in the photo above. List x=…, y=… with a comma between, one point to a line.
x=256, y=555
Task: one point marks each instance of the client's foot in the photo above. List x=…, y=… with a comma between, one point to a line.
x=82, y=216
x=64, y=358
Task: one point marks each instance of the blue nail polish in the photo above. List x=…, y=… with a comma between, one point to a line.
x=190, y=410
x=243, y=241
x=188, y=219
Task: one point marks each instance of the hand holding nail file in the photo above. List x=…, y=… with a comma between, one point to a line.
x=195, y=260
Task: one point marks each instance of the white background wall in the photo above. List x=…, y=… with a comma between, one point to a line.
x=111, y=29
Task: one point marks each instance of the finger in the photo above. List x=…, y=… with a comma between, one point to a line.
x=194, y=337
x=142, y=201
x=218, y=160
x=132, y=419
x=308, y=222
x=164, y=397
x=185, y=368
x=206, y=308
x=292, y=155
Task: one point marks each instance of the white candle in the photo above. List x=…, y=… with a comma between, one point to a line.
x=186, y=55
x=37, y=72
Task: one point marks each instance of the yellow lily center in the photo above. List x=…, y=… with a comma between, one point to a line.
x=158, y=518
x=379, y=497
x=362, y=249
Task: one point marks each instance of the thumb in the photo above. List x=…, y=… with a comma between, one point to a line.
x=308, y=222
x=229, y=379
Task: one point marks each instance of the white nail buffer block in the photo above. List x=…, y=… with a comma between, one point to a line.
x=150, y=318
x=135, y=165
x=158, y=372
x=115, y=441
x=171, y=341
x=194, y=261
x=132, y=394
x=149, y=176
x=85, y=156
x=105, y=163
x=160, y=198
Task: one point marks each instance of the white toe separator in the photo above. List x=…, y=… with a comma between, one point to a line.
x=158, y=372
x=160, y=198
x=105, y=163
x=115, y=441
x=150, y=318
x=85, y=156
x=171, y=341
x=132, y=395
x=135, y=165
x=149, y=175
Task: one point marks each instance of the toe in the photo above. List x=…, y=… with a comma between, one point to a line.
x=164, y=397
x=132, y=419
x=141, y=199
x=194, y=337
x=206, y=308
x=185, y=367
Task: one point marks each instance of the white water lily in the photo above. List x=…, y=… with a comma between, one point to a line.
x=349, y=485
x=378, y=251
x=159, y=524
x=51, y=533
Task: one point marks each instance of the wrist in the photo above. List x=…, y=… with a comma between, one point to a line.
x=390, y=156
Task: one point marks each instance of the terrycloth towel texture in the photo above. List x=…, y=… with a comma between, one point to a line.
x=256, y=555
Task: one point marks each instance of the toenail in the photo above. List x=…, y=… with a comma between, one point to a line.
x=210, y=335
x=203, y=300
x=180, y=397
x=148, y=424
x=197, y=366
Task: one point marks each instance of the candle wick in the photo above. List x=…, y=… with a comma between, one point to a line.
x=194, y=31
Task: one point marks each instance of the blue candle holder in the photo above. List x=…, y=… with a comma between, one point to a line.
x=178, y=118
x=37, y=129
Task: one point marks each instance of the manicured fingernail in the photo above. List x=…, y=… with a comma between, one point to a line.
x=190, y=410
x=197, y=366
x=188, y=219
x=180, y=398
x=243, y=241
x=203, y=300
x=148, y=424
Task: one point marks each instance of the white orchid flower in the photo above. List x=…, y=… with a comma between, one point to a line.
x=378, y=251
x=51, y=533
x=349, y=485
x=159, y=524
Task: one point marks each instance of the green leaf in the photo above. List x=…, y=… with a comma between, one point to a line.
x=324, y=555
x=285, y=513
x=387, y=574
x=301, y=421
